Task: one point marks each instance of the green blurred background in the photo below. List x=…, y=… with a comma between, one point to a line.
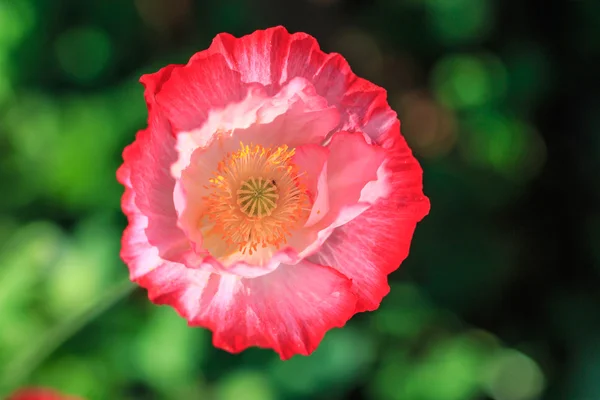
x=499, y=298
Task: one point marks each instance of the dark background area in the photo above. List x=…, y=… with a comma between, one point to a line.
x=499, y=297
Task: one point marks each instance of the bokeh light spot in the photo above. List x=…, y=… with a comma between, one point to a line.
x=87, y=377
x=163, y=330
x=453, y=364
x=5, y=84
x=406, y=314
x=84, y=53
x=17, y=17
x=429, y=128
x=34, y=124
x=341, y=358
x=247, y=385
x=513, y=376
x=505, y=145
x=460, y=21
x=466, y=81
x=68, y=285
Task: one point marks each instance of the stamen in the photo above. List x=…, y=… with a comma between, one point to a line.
x=256, y=197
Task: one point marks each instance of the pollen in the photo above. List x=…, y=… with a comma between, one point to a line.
x=256, y=197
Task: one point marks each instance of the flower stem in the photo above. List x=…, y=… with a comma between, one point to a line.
x=21, y=367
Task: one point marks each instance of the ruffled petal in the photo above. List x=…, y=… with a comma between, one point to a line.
x=192, y=91
x=137, y=252
x=154, y=82
x=357, y=177
x=148, y=199
x=294, y=116
x=259, y=57
x=303, y=121
x=273, y=57
x=366, y=249
x=374, y=244
x=288, y=310
x=304, y=116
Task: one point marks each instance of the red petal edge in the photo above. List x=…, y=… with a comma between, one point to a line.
x=371, y=246
x=289, y=310
x=273, y=57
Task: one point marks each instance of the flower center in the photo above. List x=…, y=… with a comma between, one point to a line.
x=256, y=197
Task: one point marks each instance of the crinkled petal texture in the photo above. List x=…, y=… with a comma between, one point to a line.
x=270, y=195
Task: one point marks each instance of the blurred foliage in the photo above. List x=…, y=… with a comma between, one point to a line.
x=499, y=297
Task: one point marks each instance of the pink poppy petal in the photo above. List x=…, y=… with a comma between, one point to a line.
x=273, y=57
x=301, y=122
x=288, y=310
x=293, y=116
x=357, y=177
x=312, y=162
x=149, y=188
x=260, y=57
x=356, y=173
x=187, y=97
x=374, y=244
x=136, y=250
x=154, y=82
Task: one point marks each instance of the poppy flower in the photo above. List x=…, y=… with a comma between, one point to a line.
x=270, y=195
x=39, y=394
